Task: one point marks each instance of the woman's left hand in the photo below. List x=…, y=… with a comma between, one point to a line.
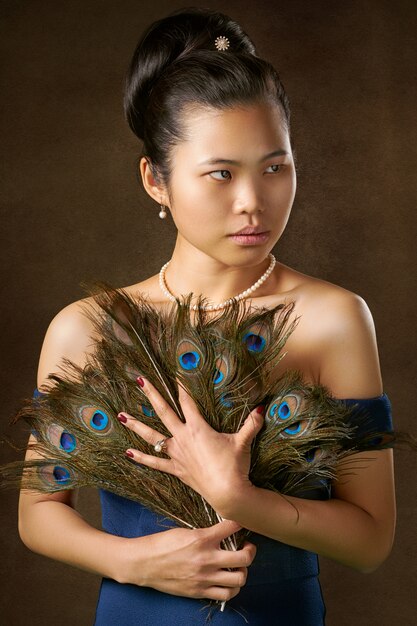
x=214, y=464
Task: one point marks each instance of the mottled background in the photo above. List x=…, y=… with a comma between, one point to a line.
x=72, y=209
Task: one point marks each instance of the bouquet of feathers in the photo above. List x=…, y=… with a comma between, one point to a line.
x=226, y=362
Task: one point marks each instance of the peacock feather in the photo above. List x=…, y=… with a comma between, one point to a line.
x=226, y=362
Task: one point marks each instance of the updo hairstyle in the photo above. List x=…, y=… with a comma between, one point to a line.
x=176, y=64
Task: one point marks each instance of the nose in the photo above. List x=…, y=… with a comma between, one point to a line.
x=248, y=198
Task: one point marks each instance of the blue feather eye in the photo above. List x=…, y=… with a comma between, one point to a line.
x=96, y=420
x=295, y=429
x=189, y=356
x=226, y=401
x=149, y=412
x=257, y=337
x=61, y=474
x=283, y=408
x=283, y=411
x=221, y=373
x=99, y=420
x=218, y=377
x=67, y=441
x=61, y=438
x=189, y=360
x=254, y=343
x=56, y=475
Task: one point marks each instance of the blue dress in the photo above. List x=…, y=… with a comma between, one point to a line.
x=282, y=586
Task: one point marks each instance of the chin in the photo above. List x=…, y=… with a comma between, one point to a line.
x=246, y=256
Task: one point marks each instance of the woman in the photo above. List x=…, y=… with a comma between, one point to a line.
x=200, y=99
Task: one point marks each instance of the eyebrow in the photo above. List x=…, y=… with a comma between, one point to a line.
x=216, y=160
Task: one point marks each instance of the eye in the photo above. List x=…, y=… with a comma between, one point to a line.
x=95, y=420
x=279, y=167
x=221, y=172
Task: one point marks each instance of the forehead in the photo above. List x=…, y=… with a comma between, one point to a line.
x=241, y=129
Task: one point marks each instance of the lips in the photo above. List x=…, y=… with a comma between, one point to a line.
x=250, y=230
x=250, y=239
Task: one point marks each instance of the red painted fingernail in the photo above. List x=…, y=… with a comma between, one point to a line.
x=260, y=409
x=122, y=418
x=129, y=454
x=140, y=381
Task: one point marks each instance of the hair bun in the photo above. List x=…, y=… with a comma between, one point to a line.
x=168, y=40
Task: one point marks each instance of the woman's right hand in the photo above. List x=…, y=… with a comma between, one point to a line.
x=189, y=563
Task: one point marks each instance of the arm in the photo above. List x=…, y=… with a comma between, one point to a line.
x=49, y=523
x=178, y=561
x=355, y=527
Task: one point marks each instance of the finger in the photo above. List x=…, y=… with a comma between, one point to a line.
x=165, y=413
x=189, y=405
x=223, y=529
x=251, y=426
x=147, y=433
x=224, y=578
x=236, y=558
x=221, y=593
x=155, y=462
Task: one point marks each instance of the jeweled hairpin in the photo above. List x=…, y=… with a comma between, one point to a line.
x=222, y=43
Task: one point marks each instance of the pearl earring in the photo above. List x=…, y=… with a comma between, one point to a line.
x=162, y=212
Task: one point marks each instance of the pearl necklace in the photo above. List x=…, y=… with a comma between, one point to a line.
x=215, y=307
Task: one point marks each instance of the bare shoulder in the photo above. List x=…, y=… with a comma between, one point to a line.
x=337, y=330
x=332, y=307
x=322, y=305
x=69, y=335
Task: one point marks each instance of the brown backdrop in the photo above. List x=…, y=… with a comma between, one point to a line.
x=73, y=209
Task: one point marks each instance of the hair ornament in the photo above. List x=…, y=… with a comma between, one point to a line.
x=222, y=43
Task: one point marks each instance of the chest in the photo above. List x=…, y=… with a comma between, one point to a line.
x=301, y=350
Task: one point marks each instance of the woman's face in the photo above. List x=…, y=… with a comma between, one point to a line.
x=225, y=178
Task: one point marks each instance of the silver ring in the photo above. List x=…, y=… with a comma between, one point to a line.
x=160, y=445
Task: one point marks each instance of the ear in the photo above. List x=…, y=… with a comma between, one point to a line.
x=156, y=190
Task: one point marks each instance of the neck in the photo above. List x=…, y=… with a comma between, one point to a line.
x=194, y=271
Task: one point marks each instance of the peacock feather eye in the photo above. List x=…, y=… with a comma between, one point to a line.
x=96, y=420
x=55, y=475
x=189, y=356
x=282, y=414
x=256, y=338
x=226, y=401
x=67, y=441
x=254, y=343
x=189, y=360
x=283, y=408
x=61, y=438
x=218, y=377
x=294, y=429
x=222, y=371
x=61, y=474
x=148, y=411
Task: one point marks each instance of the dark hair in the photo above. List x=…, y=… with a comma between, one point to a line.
x=176, y=64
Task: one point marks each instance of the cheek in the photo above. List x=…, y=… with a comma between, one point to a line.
x=283, y=200
x=201, y=225
x=197, y=211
